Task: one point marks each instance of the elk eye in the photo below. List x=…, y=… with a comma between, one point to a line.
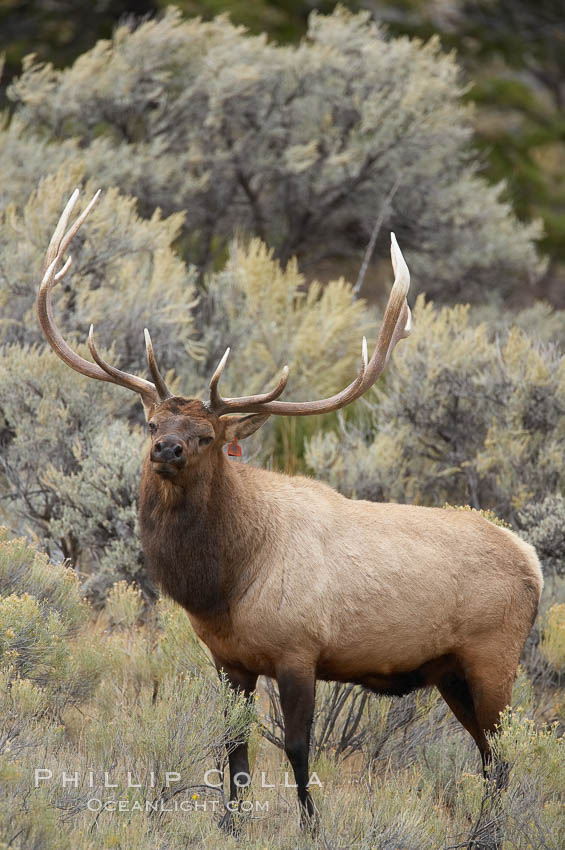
x=152, y=428
x=204, y=441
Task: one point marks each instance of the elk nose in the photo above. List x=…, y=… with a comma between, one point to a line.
x=167, y=450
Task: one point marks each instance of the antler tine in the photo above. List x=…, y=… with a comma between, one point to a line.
x=123, y=379
x=227, y=405
x=100, y=370
x=364, y=355
x=53, y=248
x=71, y=233
x=401, y=330
x=216, y=401
x=158, y=380
x=401, y=272
x=395, y=326
x=396, y=322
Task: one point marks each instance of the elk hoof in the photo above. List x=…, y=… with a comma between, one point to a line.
x=310, y=822
x=228, y=824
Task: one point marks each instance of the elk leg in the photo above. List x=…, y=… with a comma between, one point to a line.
x=488, y=707
x=492, y=692
x=243, y=682
x=490, y=685
x=297, y=693
x=456, y=693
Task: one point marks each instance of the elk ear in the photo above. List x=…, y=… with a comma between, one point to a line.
x=242, y=426
x=148, y=407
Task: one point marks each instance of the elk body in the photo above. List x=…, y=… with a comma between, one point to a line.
x=284, y=577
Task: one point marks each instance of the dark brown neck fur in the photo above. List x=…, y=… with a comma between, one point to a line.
x=198, y=535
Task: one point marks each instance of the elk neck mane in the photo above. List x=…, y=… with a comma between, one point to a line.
x=200, y=536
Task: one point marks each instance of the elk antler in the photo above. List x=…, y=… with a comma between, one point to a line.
x=151, y=393
x=395, y=326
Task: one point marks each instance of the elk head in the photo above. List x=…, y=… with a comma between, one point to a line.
x=188, y=431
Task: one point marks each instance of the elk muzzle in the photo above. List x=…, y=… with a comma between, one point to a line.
x=168, y=454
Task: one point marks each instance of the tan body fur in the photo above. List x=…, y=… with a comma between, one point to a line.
x=354, y=589
x=284, y=577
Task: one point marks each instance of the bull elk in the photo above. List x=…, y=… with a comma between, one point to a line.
x=284, y=577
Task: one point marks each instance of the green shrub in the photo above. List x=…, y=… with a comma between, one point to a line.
x=543, y=525
x=300, y=146
x=489, y=515
x=552, y=644
x=315, y=330
x=24, y=570
x=81, y=496
x=122, y=265
x=124, y=605
x=41, y=646
x=532, y=808
x=461, y=417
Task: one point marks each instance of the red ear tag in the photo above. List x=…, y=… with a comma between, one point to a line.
x=234, y=449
